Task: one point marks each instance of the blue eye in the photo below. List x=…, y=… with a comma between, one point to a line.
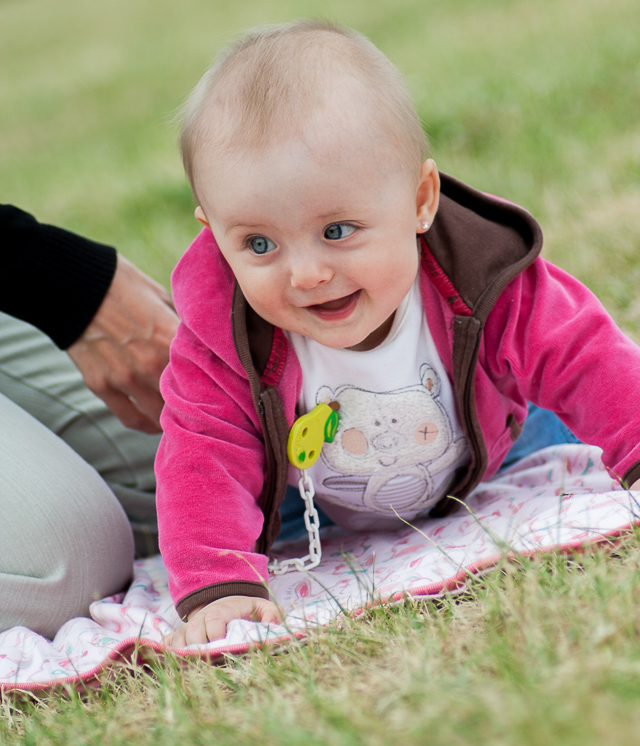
x=261, y=245
x=339, y=230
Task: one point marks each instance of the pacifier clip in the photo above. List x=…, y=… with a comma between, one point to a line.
x=306, y=438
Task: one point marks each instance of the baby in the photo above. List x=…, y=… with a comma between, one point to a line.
x=337, y=266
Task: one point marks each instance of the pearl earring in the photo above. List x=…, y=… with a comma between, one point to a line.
x=425, y=226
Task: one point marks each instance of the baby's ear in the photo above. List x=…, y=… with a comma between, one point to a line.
x=427, y=195
x=201, y=217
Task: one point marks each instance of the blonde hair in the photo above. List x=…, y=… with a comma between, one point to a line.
x=267, y=84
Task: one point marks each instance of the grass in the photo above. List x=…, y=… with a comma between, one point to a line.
x=538, y=102
x=537, y=653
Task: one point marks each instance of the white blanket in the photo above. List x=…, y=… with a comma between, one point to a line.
x=559, y=498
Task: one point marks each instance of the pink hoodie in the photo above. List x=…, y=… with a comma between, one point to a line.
x=544, y=338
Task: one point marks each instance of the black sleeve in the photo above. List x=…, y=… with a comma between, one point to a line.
x=50, y=277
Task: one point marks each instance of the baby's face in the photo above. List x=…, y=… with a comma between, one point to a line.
x=320, y=233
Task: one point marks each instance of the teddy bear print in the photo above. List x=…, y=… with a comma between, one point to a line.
x=389, y=446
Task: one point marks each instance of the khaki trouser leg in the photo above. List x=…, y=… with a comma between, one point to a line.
x=64, y=538
x=73, y=482
x=43, y=381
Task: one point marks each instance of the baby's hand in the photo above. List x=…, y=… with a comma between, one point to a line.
x=209, y=622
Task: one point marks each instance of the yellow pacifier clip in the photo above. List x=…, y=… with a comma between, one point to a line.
x=306, y=438
x=310, y=432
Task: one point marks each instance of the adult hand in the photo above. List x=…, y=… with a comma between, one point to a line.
x=210, y=622
x=125, y=348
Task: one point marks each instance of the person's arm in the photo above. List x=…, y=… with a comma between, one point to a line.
x=568, y=355
x=210, y=475
x=115, y=322
x=50, y=277
x=125, y=347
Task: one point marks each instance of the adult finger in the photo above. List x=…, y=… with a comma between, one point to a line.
x=146, y=398
x=129, y=413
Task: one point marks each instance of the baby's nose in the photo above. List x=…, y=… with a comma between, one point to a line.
x=309, y=271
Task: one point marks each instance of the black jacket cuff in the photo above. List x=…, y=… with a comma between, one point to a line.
x=50, y=277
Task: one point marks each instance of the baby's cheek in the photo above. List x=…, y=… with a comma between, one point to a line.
x=354, y=442
x=426, y=433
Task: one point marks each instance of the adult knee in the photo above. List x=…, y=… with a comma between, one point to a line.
x=65, y=539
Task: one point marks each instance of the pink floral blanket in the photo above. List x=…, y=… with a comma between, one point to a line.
x=557, y=499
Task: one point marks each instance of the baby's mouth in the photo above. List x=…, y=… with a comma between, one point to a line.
x=338, y=307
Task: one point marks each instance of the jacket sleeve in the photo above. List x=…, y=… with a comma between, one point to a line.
x=50, y=277
x=566, y=354
x=210, y=474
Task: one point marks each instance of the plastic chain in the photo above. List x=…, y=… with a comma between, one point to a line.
x=312, y=523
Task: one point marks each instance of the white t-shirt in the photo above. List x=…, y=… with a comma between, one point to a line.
x=399, y=440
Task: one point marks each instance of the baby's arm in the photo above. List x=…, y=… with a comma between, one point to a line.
x=210, y=471
x=566, y=354
x=208, y=623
